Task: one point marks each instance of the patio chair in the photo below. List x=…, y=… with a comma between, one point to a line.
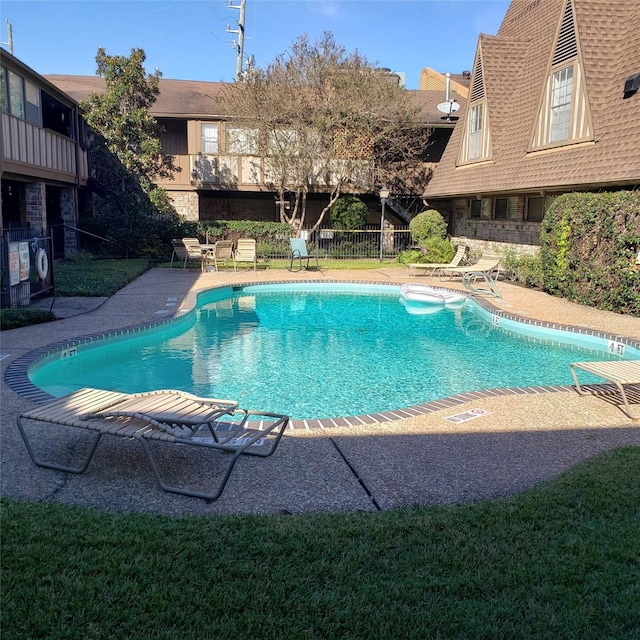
x=221, y=254
x=168, y=417
x=246, y=251
x=195, y=252
x=179, y=252
x=489, y=265
x=421, y=268
x=299, y=252
x=619, y=373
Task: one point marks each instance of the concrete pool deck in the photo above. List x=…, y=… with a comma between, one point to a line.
x=517, y=441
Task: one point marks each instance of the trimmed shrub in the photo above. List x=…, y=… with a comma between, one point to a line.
x=429, y=231
x=427, y=225
x=589, y=243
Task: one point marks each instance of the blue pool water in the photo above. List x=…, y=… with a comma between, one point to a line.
x=318, y=352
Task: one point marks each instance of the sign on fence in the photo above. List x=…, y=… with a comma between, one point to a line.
x=23, y=250
x=14, y=264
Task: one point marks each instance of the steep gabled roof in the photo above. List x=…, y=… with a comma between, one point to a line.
x=516, y=66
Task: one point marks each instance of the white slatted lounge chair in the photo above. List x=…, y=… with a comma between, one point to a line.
x=429, y=268
x=195, y=251
x=222, y=254
x=487, y=264
x=172, y=417
x=246, y=251
x=619, y=373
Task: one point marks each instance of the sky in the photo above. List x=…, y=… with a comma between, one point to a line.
x=188, y=39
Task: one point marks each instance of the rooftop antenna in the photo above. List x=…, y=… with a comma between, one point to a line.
x=239, y=45
x=449, y=106
x=9, y=41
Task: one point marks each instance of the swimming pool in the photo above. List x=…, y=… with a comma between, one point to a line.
x=323, y=350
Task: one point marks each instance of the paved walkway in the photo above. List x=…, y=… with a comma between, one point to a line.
x=521, y=440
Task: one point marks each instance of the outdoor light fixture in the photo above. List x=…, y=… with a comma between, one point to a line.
x=384, y=194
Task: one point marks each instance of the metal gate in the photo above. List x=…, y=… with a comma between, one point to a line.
x=26, y=266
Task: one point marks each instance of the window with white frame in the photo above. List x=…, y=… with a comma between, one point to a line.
x=242, y=141
x=561, y=92
x=475, y=133
x=209, y=142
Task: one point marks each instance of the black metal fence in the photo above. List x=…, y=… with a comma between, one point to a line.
x=342, y=244
x=26, y=266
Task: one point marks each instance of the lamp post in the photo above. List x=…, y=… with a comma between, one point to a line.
x=384, y=194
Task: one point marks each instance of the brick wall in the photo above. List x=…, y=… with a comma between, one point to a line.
x=185, y=203
x=68, y=213
x=36, y=205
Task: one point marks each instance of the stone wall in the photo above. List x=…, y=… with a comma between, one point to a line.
x=499, y=236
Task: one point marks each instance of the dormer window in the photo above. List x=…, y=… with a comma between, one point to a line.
x=564, y=116
x=561, y=92
x=475, y=133
x=476, y=140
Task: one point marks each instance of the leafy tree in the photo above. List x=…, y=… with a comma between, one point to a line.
x=121, y=115
x=328, y=122
x=348, y=212
x=134, y=213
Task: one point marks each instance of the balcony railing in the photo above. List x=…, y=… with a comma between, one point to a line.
x=27, y=144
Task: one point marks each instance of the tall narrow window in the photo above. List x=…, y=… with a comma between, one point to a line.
x=561, y=91
x=209, y=138
x=16, y=95
x=475, y=132
x=4, y=94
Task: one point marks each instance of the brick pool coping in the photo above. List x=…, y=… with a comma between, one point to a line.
x=17, y=373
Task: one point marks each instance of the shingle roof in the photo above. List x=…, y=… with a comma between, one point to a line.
x=198, y=99
x=515, y=66
x=177, y=98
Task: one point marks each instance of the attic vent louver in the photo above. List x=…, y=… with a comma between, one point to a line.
x=477, y=88
x=567, y=45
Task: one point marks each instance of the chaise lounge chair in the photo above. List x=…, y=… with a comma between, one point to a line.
x=620, y=373
x=489, y=265
x=299, y=252
x=429, y=268
x=166, y=416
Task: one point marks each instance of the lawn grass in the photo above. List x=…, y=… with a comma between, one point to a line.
x=83, y=278
x=558, y=562
x=96, y=277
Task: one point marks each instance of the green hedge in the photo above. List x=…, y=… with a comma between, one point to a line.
x=589, y=243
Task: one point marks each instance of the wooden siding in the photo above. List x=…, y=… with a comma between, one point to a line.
x=43, y=150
